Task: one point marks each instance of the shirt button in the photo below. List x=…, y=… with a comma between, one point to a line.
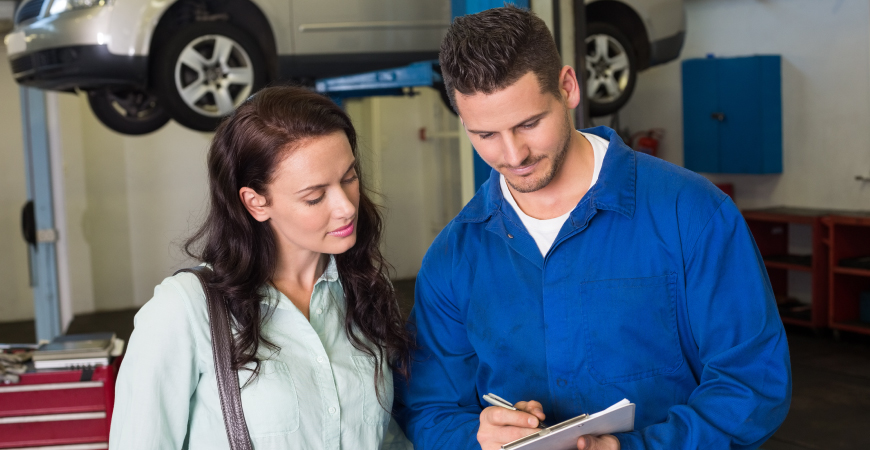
x=319, y=311
x=510, y=236
x=332, y=410
x=320, y=359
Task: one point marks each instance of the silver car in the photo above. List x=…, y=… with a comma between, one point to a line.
x=143, y=62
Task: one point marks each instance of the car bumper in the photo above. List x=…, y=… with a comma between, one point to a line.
x=82, y=66
x=70, y=50
x=667, y=49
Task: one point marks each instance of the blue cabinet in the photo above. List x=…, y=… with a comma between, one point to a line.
x=732, y=115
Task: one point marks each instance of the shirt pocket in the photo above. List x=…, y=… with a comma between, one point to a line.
x=269, y=401
x=373, y=412
x=630, y=328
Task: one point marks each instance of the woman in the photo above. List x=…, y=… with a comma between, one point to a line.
x=292, y=239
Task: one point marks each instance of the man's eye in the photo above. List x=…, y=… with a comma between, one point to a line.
x=530, y=125
x=485, y=135
x=316, y=200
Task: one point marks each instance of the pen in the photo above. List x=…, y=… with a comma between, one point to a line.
x=495, y=400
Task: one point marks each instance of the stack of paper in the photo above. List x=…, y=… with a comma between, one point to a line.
x=77, y=351
x=619, y=418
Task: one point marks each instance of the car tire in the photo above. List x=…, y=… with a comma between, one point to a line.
x=205, y=71
x=611, y=68
x=127, y=110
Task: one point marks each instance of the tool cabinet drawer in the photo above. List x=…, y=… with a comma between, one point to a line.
x=52, y=398
x=53, y=429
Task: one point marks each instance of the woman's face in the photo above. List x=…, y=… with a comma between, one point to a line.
x=313, y=197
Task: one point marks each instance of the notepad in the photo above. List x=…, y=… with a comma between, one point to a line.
x=619, y=418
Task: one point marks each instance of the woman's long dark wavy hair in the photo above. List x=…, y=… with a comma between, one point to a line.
x=245, y=151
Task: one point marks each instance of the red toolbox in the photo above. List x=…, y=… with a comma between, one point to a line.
x=63, y=409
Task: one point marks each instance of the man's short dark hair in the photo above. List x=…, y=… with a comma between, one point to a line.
x=489, y=51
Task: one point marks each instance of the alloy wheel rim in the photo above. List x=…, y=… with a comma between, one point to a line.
x=213, y=75
x=607, y=68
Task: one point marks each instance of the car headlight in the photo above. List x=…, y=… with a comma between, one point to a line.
x=59, y=6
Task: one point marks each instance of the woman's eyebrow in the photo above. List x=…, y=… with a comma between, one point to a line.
x=321, y=186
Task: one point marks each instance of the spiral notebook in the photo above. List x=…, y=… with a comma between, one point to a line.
x=619, y=418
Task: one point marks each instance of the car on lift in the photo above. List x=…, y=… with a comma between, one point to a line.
x=143, y=62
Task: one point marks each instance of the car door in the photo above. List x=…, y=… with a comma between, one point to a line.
x=323, y=27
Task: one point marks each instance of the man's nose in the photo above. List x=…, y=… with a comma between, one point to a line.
x=515, y=150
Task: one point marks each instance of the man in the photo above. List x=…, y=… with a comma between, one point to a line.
x=582, y=273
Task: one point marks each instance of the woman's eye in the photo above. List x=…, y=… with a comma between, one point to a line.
x=351, y=179
x=316, y=200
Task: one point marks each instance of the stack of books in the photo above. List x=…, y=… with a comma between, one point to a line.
x=77, y=351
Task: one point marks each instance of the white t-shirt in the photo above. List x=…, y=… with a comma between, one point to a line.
x=545, y=231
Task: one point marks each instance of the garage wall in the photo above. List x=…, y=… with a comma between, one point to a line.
x=825, y=48
x=138, y=197
x=418, y=181
x=16, y=297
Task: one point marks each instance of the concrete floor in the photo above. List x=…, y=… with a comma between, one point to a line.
x=830, y=407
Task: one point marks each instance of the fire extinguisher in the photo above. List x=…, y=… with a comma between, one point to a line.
x=647, y=141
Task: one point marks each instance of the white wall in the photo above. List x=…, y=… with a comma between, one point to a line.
x=418, y=180
x=139, y=197
x=129, y=200
x=16, y=298
x=825, y=48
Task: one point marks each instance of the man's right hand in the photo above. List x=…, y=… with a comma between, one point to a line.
x=498, y=426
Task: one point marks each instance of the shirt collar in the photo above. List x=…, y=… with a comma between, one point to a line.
x=331, y=272
x=270, y=294
x=614, y=190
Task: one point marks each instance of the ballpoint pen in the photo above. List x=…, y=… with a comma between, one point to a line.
x=495, y=400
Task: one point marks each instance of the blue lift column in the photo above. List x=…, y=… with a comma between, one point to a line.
x=43, y=252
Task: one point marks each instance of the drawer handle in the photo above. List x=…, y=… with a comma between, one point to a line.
x=718, y=116
x=51, y=386
x=52, y=418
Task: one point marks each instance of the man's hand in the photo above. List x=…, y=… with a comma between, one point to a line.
x=606, y=442
x=498, y=426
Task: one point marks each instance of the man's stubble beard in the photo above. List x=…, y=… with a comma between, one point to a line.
x=558, y=160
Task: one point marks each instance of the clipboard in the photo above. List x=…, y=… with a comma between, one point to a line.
x=619, y=418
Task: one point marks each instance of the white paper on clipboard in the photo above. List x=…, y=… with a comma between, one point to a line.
x=619, y=418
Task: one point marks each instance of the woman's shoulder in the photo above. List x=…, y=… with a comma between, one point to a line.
x=177, y=297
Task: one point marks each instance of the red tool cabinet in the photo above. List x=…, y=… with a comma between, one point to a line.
x=58, y=409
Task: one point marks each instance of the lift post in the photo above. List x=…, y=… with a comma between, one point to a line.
x=42, y=250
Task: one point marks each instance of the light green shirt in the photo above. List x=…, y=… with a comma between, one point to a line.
x=316, y=393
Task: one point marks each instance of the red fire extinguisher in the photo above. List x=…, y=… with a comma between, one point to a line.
x=647, y=141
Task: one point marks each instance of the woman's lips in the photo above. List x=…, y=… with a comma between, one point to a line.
x=344, y=231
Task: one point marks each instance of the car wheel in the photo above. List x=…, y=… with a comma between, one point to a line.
x=611, y=70
x=127, y=110
x=205, y=71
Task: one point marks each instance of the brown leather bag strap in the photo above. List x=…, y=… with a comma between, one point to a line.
x=227, y=378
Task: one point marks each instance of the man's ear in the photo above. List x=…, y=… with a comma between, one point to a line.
x=254, y=203
x=569, y=86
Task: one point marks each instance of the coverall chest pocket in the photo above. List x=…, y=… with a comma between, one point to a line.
x=269, y=401
x=630, y=328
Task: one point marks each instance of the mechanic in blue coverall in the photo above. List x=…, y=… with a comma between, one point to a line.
x=582, y=273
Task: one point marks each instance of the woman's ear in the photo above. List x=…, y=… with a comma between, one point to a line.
x=254, y=203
